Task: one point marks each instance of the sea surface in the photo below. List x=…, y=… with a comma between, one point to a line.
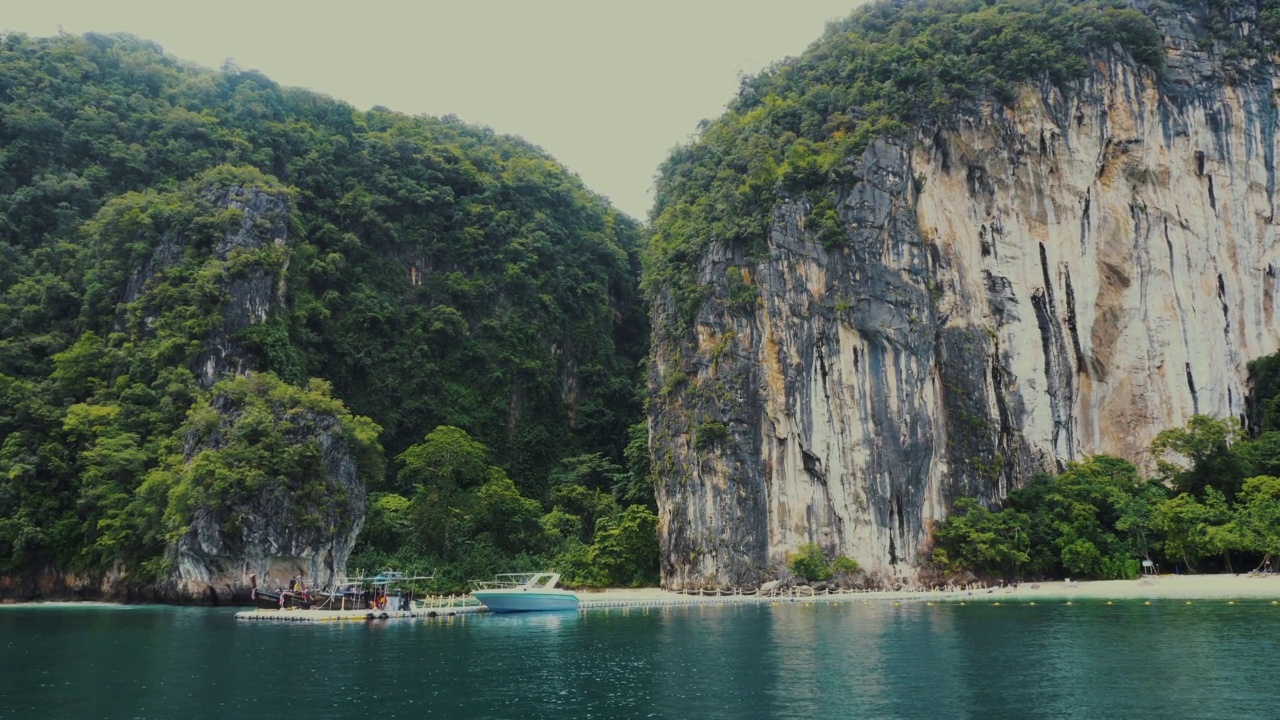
x=846, y=660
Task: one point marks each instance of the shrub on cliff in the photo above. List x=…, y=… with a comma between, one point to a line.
x=260, y=441
x=708, y=434
x=845, y=565
x=810, y=563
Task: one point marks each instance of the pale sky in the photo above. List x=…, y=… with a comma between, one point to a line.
x=606, y=87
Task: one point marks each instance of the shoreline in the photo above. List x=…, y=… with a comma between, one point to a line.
x=1159, y=587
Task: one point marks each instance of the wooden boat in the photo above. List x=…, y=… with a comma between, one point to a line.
x=268, y=600
x=385, y=591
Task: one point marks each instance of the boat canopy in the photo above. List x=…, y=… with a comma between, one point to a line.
x=386, y=578
x=528, y=581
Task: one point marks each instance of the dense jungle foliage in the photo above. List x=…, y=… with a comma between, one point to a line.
x=1213, y=505
x=459, y=304
x=430, y=273
x=464, y=517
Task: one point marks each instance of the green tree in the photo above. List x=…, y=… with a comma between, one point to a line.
x=593, y=471
x=1081, y=522
x=446, y=461
x=387, y=521
x=1135, y=517
x=1257, y=518
x=1264, y=372
x=588, y=506
x=1204, y=450
x=442, y=470
x=625, y=549
x=1220, y=533
x=1180, y=522
x=810, y=563
x=637, y=486
x=511, y=521
x=976, y=539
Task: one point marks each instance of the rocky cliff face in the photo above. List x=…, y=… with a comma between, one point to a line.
x=248, y=291
x=272, y=530
x=1030, y=284
x=253, y=291
x=275, y=530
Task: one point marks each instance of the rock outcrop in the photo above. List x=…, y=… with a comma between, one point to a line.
x=1022, y=287
x=273, y=530
x=253, y=291
x=263, y=527
x=249, y=291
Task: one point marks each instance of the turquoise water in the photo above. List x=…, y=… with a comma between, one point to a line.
x=848, y=660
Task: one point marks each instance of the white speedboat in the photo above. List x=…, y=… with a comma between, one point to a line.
x=524, y=592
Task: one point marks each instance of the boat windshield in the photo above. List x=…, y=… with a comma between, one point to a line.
x=528, y=581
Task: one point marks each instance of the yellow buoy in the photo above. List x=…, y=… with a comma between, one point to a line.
x=1068, y=602
x=1147, y=602
x=995, y=603
x=1188, y=602
x=1231, y=602
x=1109, y=602
x=1033, y=602
x=962, y=602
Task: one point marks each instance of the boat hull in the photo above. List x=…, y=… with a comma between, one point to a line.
x=513, y=601
x=271, y=600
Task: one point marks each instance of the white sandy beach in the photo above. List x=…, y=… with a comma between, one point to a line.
x=1161, y=587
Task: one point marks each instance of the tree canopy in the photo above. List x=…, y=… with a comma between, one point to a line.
x=424, y=271
x=1213, y=504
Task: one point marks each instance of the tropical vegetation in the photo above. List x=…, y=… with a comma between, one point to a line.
x=469, y=318
x=793, y=130
x=412, y=273
x=1213, y=504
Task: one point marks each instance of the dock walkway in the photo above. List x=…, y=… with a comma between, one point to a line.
x=452, y=606
x=298, y=615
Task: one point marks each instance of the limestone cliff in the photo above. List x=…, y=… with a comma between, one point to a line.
x=252, y=292
x=1062, y=275
x=272, y=528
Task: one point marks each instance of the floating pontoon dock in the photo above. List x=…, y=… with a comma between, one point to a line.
x=464, y=605
x=1177, y=589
